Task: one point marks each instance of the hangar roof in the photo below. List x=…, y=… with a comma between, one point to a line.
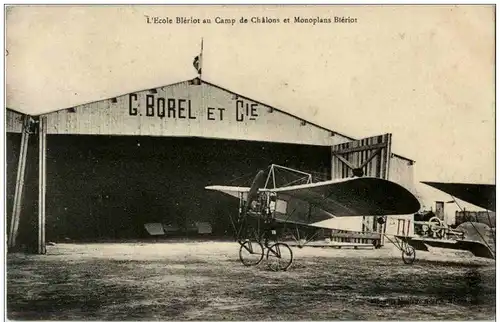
x=233, y=93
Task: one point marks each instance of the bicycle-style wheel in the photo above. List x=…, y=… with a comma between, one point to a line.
x=408, y=254
x=251, y=253
x=279, y=257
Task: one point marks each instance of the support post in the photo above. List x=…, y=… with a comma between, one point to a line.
x=18, y=193
x=42, y=135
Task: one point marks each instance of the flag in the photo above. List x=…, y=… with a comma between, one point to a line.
x=197, y=63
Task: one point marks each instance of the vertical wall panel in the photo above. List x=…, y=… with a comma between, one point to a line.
x=14, y=121
x=376, y=167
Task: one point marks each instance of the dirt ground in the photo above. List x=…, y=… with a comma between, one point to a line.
x=206, y=281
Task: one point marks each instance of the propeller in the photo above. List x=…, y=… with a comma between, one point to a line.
x=258, y=182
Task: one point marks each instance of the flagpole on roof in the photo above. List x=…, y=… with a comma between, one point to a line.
x=201, y=57
x=198, y=61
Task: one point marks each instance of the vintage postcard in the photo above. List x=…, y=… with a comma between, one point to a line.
x=250, y=162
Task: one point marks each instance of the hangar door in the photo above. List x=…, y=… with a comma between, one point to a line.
x=110, y=187
x=365, y=157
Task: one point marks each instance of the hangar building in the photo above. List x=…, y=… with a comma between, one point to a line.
x=114, y=165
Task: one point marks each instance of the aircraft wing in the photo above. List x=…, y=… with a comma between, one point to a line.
x=481, y=195
x=231, y=190
x=363, y=196
x=316, y=202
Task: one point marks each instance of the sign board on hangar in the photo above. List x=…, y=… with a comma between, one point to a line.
x=187, y=109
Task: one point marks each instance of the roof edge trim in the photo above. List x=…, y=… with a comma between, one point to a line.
x=279, y=110
x=111, y=97
x=8, y=109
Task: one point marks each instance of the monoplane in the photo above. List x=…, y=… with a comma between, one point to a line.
x=266, y=204
x=439, y=235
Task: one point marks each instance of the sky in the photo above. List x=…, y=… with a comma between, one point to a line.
x=423, y=73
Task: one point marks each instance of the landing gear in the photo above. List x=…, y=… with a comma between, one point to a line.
x=251, y=253
x=260, y=205
x=408, y=254
x=279, y=257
